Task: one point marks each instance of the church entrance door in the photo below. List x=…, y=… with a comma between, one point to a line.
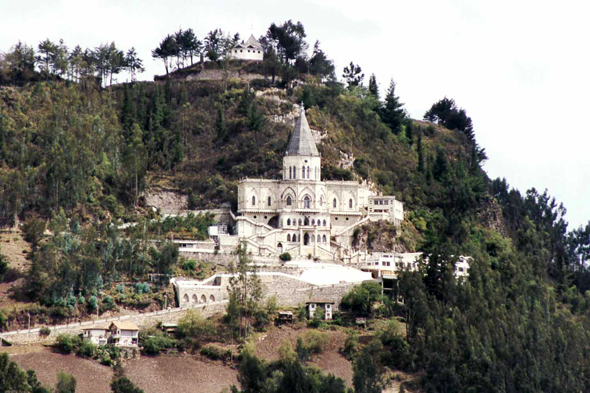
x=306, y=239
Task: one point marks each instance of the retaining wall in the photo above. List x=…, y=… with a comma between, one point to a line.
x=171, y=315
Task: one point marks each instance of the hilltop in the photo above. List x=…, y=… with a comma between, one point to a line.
x=77, y=160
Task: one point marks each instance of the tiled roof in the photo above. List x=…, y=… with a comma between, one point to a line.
x=125, y=325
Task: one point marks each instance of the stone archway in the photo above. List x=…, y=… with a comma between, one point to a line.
x=203, y=299
x=274, y=221
x=306, y=239
x=185, y=298
x=194, y=298
x=211, y=298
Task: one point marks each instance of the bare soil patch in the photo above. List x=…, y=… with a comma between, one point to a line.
x=180, y=374
x=330, y=360
x=90, y=375
x=12, y=246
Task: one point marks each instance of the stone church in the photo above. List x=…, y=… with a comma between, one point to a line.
x=303, y=215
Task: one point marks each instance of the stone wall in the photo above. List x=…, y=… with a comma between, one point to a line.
x=289, y=290
x=217, y=75
x=144, y=320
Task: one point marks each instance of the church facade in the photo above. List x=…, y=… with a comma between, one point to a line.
x=303, y=215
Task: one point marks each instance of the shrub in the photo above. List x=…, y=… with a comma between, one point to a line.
x=216, y=353
x=142, y=288
x=108, y=303
x=189, y=264
x=154, y=344
x=67, y=343
x=194, y=326
x=124, y=385
x=45, y=331
x=86, y=349
x=92, y=303
x=285, y=257
x=350, y=347
x=316, y=341
x=120, y=288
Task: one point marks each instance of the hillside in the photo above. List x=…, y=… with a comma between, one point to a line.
x=76, y=161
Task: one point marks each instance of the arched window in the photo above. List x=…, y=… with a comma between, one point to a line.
x=350, y=203
x=294, y=173
x=294, y=239
x=288, y=221
x=313, y=238
x=300, y=222
x=312, y=222
x=306, y=221
x=211, y=298
x=334, y=202
x=321, y=201
x=308, y=172
x=203, y=299
x=269, y=201
x=253, y=200
x=324, y=239
x=307, y=202
x=303, y=172
x=288, y=237
x=289, y=201
x=290, y=173
x=324, y=223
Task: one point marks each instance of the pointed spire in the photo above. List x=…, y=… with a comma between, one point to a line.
x=302, y=143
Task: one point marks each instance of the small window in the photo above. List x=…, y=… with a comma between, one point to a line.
x=300, y=222
x=350, y=203
x=269, y=201
x=290, y=173
x=312, y=222
x=324, y=239
x=313, y=240
x=253, y=200
x=294, y=172
x=288, y=221
x=324, y=223
x=308, y=172
x=303, y=172
x=334, y=202
x=289, y=201
x=288, y=237
x=307, y=202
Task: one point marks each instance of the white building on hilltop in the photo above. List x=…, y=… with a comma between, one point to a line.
x=249, y=50
x=303, y=215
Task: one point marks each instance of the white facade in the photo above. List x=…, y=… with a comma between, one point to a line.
x=249, y=50
x=388, y=265
x=96, y=335
x=303, y=215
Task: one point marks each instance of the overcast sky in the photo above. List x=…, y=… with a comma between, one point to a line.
x=519, y=68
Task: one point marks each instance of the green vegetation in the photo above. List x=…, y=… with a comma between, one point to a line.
x=77, y=157
x=285, y=375
x=124, y=385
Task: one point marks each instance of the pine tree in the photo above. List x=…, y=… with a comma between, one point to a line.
x=392, y=113
x=373, y=87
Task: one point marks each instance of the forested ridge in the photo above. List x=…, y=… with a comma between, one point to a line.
x=77, y=157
